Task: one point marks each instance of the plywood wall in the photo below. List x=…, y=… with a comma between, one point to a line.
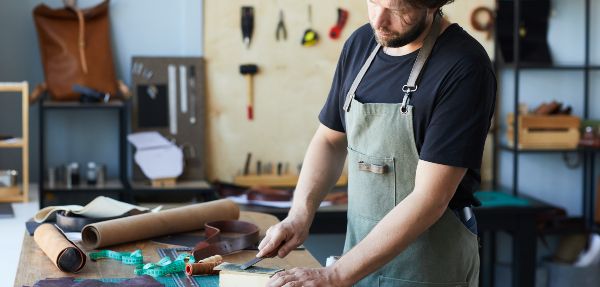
x=292, y=84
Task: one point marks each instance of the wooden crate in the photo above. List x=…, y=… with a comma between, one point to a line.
x=545, y=132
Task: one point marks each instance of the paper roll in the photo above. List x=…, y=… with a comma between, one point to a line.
x=150, y=225
x=64, y=254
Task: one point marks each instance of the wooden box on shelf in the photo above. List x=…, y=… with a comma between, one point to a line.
x=545, y=132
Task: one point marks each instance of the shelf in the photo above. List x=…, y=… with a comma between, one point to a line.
x=549, y=67
x=12, y=87
x=181, y=185
x=108, y=186
x=506, y=147
x=11, y=194
x=12, y=143
x=49, y=104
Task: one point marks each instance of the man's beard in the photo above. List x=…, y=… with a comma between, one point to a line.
x=397, y=40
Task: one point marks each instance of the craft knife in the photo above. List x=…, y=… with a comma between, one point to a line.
x=251, y=263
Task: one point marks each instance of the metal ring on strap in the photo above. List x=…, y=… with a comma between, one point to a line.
x=408, y=89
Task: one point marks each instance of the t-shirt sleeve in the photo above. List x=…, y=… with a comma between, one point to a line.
x=461, y=118
x=330, y=114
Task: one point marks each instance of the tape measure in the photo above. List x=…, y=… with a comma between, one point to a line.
x=163, y=267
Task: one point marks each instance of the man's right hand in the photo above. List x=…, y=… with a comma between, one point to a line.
x=284, y=237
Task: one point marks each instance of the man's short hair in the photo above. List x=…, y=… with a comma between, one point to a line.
x=429, y=3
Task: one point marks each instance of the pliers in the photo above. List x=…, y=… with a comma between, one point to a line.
x=281, y=31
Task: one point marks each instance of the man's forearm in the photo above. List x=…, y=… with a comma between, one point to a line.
x=322, y=166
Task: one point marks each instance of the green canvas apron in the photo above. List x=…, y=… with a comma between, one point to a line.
x=382, y=161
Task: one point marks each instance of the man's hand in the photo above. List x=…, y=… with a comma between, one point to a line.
x=307, y=277
x=284, y=237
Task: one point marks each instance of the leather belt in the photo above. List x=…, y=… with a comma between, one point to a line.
x=217, y=245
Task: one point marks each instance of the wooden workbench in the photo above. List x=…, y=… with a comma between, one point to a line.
x=34, y=265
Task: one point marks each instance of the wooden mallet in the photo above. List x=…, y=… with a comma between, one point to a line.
x=249, y=70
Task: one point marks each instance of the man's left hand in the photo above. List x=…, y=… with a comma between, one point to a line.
x=306, y=277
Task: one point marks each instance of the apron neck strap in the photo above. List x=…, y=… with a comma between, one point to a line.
x=417, y=68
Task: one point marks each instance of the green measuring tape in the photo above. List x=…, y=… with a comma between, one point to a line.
x=163, y=267
x=129, y=258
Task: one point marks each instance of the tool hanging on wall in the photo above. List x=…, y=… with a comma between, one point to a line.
x=336, y=31
x=281, y=32
x=247, y=24
x=249, y=71
x=310, y=37
x=192, y=94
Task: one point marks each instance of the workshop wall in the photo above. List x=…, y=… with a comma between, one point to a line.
x=139, y=27
x=175, y=28
x=293, y=81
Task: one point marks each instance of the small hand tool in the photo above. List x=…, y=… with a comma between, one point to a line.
x=192, y=93
x=258, y=259
x=281, y=32
x=336, y=31
x=310, y=37
x=247, y=165
x=249, y=71
x=247, y=24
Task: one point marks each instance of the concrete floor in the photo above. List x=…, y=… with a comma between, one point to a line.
x=12, y=229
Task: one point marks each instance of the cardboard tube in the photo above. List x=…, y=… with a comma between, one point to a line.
x=63, y=253
x=150, y=225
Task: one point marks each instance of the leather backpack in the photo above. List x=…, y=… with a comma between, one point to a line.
x=75, y=50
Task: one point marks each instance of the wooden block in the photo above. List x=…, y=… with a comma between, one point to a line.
x=164, y=182
x=11, y=194
x=270, y=180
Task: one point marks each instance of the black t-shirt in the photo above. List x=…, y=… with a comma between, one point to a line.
x=452, y=108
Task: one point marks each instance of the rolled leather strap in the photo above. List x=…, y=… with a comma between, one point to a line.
x=216, y=245
x=70, y=222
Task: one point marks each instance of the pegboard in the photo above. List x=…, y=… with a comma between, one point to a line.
x=293, y=81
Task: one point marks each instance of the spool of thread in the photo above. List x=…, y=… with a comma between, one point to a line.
x=212, y=259
x=205, y=266
x=201, y=268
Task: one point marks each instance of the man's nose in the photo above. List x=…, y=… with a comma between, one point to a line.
x=381, y=19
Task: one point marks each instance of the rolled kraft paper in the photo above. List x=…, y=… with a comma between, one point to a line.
x=150, y=225
x=63, y=253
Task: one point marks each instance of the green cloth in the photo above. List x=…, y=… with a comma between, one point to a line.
x=499, y=199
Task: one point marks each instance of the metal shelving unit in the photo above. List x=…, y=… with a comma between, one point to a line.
x=588, y=155
x=113, y=186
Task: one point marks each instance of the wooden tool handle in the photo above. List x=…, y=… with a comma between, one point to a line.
x=250, y=97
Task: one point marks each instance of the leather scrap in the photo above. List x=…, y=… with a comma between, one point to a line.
x=217, y=245
x=141, y=281
x=65, y=255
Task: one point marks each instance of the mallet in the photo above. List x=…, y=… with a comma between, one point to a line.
x=249, y=70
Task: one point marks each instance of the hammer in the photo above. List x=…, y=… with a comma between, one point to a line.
x=249, y=70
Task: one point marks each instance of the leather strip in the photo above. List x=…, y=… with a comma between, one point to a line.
x=374, y=168
x=216, y=245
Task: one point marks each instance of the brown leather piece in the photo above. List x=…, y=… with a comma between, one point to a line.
x=75, y=48
x=253, y=193
x=65, y=255
x=268, y=194
x=215, y=244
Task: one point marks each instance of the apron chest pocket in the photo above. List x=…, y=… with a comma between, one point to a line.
x=371, y=185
